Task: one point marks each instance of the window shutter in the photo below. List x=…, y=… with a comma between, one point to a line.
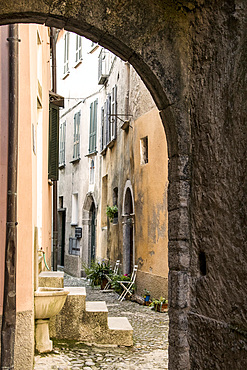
x=108, y=119
x=91, y=129
x=105, y=125
x=114, y=113
x=53, y=142
x=95, y=108
x=76, y=150
x=102, y=128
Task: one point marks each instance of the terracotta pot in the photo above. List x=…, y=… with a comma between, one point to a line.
x=103, y=283
x=162, y=307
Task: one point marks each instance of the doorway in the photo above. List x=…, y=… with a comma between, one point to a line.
x=128, y=230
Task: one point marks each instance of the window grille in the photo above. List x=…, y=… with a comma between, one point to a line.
x=74, y=246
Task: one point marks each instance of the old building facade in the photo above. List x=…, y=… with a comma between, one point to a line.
x=34, y=205
x=111, y=143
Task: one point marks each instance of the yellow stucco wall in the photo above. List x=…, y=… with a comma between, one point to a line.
x=150, y=193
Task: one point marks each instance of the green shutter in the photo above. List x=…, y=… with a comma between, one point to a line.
x=93, y=126
x=53, y=142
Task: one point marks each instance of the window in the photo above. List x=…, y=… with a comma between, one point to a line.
x=109, y=119
x=93, y=127
x=92, y=172
x=53, y=142
x=78, y=49
x=144, y=150
x=76, y=149
x=115, y=203
x=74, y=246
x=74, y=213
x=66, y=53
x=103, y=72
x=62, y=143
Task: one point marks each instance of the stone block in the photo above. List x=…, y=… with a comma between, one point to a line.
x=178, y=224
x=51, y=279
x=66, y=325
x=178, y=255
x=178, y=289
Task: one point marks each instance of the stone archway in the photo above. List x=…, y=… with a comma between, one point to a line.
x=128, y=229
x=142, y=41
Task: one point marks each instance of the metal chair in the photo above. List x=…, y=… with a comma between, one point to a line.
x=127, y=285
x=115, y=272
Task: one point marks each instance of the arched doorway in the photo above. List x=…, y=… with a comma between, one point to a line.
x=89, y=212
x=128, y=229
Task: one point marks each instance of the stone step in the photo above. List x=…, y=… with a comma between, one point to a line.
x=96, y=314
x=119, y=332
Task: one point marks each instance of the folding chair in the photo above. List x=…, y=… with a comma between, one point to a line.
x=115, y=271
x=127, y=285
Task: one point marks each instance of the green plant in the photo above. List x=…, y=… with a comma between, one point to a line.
x=146, y=293
x=156, y=302
x=111, y=211
x=96, y=272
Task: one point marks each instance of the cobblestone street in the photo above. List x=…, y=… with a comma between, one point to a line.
x=150, y=349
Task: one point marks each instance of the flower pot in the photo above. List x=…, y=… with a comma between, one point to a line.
x=103, y=283
x=146, y=300
x=161, y=307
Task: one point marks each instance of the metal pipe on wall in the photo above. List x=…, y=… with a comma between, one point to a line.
x=9, y=300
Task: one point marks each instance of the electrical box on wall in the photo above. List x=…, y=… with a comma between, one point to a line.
x=78, y=232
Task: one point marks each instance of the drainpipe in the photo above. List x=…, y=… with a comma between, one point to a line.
x=54, y=89
x=9, y=300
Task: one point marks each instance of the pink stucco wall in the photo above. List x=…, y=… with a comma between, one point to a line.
x=3, y=147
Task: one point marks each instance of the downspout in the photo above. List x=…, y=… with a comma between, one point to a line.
x=54, y=89
x=9, y=300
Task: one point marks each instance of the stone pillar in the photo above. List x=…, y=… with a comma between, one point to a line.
x=179, y=261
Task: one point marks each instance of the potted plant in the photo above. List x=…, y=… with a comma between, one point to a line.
x=96, y=273
x=159, y=305
x=146, y=297
x=111, y=212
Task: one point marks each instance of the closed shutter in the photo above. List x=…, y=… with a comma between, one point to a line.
x=108, y=119
x=76, y=151
x=102, y=129
x=53, y=142
x=95, y=109
x=114, y=113
x=93, y=126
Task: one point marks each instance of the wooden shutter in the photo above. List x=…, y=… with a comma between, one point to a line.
x=108, y=119
x=102, y=128
x=114, y=113
x=95, y=104
x=53, y=142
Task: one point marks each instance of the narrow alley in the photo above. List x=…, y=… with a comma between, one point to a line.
x=150, y=349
